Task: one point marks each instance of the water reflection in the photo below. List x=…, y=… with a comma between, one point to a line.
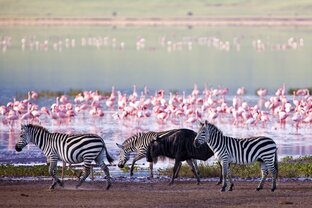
x=289, y=143
x=31, y=43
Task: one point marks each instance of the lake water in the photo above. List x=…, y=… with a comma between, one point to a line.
x=170, y=58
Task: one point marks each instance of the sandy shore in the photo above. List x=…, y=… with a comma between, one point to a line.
x=218, y=21
x=153, y=194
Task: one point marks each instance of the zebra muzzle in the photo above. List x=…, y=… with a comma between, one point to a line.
x=120, y=165
x=17, y=148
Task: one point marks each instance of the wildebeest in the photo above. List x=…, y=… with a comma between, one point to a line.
x=138, y=143
x=179, y=146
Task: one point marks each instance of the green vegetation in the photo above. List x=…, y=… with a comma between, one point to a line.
x=54, y=94
x=288, y=168
x=292, y=90
x=154, y=8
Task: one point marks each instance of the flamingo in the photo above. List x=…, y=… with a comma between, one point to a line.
x=297, y=118
x=262, y=92
x=241, y=91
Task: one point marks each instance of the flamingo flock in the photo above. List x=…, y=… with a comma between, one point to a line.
x=214, y=104
x=170, y=44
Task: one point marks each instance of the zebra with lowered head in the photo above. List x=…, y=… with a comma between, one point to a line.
x=138, y=143
x=239, y=151
x=70, y=148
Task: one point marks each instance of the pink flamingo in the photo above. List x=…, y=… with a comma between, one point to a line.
x=241, y=91
x=297, y=118
x=282, y=115
x=34, y=95
x=262, y=92
x=12, y=117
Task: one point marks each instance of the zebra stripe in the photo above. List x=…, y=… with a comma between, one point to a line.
x=240, y=151
x=138, y=143
x=70, y=148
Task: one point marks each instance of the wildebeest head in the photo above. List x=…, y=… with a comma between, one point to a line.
x=154, y=149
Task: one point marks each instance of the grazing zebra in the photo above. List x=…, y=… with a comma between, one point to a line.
x=69, y=148
x=138, y=143
x=240, y=151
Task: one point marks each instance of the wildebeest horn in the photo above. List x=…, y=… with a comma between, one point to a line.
x=119, y=145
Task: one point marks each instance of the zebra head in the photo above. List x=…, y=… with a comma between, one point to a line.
x=203, y=134
x=24, y=139
x=123, y=155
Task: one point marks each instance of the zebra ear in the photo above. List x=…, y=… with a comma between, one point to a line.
x=119, y=145
x=23, y=126
x=206, y=123
x=201, y=123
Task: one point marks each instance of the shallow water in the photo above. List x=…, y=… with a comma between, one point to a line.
x=289, y=142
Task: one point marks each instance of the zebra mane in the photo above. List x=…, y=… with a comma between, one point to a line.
x=128, y=141
x=34, y=126
x=212, y=127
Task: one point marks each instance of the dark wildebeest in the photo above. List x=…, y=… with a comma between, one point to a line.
x=179, y=146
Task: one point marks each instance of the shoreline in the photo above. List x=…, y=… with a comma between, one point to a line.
x=147, y=180
x=191, y=21
x=156, y=194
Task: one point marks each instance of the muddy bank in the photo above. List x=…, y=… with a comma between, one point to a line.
x=153, y=194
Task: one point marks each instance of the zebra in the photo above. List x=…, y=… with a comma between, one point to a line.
x=70, y=148
x=138, y=143
x=230, y=150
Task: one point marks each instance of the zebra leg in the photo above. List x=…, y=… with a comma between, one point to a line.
x=52, y=172
x=230, y=179
x=190, y=163
x=106, y=172
x=264, y=174
x=224, y=174
x=274, y=171
x=220, y=178
x=63, y=170
x=274, y=177
x=196, y=168
x=138, y=157
x=86, y=173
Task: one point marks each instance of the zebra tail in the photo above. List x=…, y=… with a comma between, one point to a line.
x=276, y=163
x=109, y=158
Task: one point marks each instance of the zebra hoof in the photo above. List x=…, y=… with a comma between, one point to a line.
x=258, y=189
x=231, y=187
x=108, y=186
x=222, y=190
x=273, y=189
x=78, y=185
